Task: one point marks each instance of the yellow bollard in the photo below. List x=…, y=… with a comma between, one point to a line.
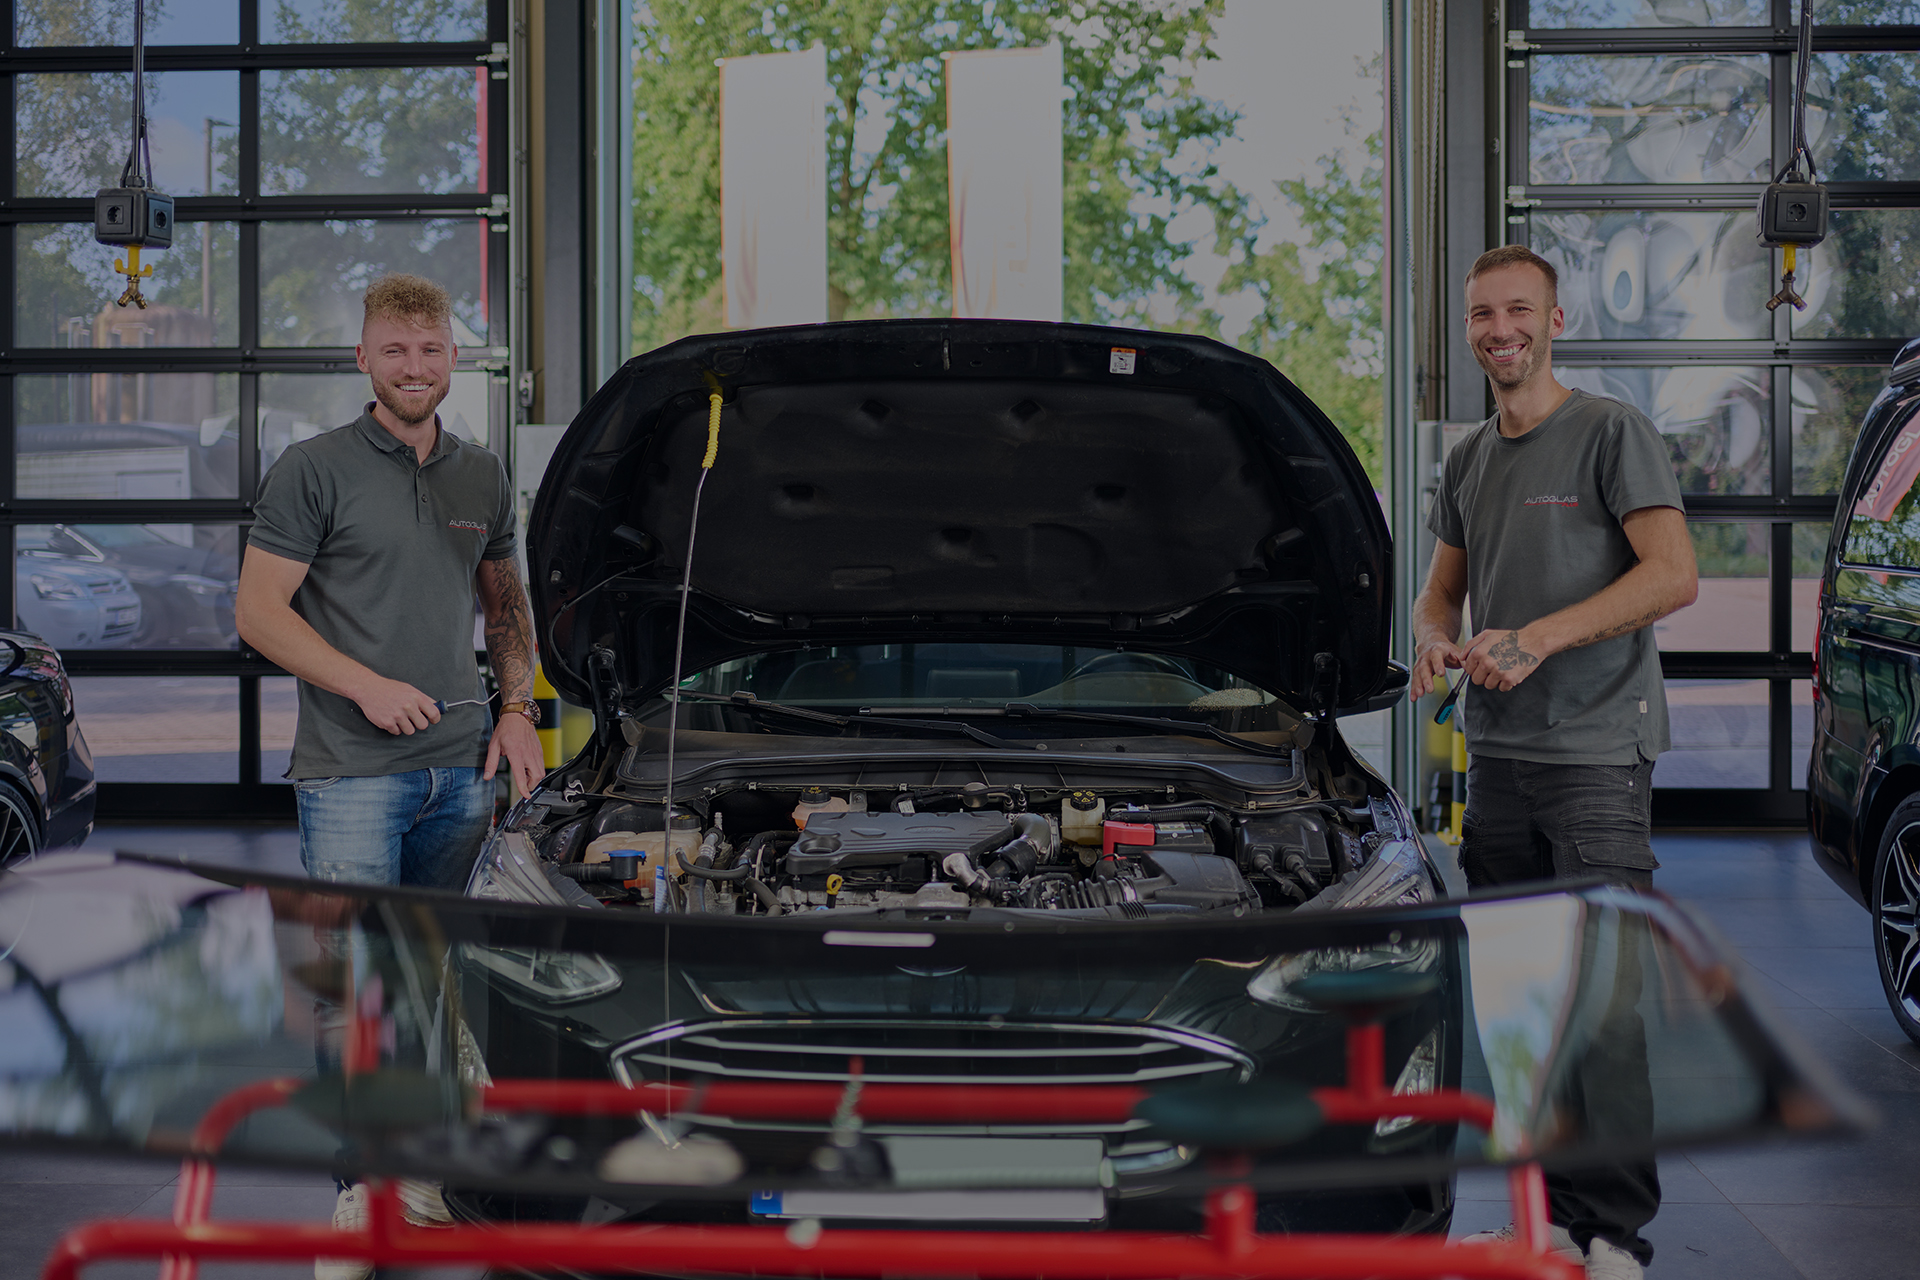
x=549, y=702
x=1457, y=806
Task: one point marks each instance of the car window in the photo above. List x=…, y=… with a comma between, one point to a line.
x=1883, y=528
x=979, y=674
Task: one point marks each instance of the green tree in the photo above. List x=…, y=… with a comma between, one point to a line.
x=1320, y=315
x=1136, y=140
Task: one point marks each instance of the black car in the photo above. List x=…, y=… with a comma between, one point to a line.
x=1043, y=627
x=46, y=770
x=1863, y=780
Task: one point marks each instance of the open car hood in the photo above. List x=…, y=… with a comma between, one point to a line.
x=897, y=481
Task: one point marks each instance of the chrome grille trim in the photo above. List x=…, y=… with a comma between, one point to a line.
x=799, y=1049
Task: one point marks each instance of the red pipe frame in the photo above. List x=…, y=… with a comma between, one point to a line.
x=1229, y=1248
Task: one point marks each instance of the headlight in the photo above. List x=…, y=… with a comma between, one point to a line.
x=1420, y=1075
x=48, y=588
x=1397, y=876
x=508, y=870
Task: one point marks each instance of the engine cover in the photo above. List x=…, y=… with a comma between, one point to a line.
x=841, y=841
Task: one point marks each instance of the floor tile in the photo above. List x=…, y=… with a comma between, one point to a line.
x=35, y=1215
x=1834, y=1242
x=1876, y=1169
x=1828, y=977
x=1713, y=1242
x=1858, y=1062
x=1877, y=1025
x=81, y=1168
x=1683, y=1183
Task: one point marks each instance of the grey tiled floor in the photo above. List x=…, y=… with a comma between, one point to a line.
x=1808, y=1211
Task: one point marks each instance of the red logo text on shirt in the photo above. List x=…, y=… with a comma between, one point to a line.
x=1554, y=500
x=474, y=525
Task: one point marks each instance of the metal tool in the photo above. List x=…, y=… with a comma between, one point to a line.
x=1445, y=712
x=441, y=707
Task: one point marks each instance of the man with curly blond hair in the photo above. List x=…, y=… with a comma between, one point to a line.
x=369, y=545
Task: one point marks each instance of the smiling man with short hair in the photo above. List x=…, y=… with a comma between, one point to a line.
x=1560, y=519
x=368, y=547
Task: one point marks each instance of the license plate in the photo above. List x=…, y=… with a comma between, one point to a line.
x=967, y=1179
x=121, y=617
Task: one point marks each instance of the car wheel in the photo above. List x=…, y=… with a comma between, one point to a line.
x=19, y=833
x=1895, y=902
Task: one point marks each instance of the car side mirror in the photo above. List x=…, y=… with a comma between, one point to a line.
x=1391, y=690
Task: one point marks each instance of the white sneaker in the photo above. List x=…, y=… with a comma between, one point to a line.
x=421, y=1205
x=349, y=1214
x=1557, y=1240
x=1608, y=1261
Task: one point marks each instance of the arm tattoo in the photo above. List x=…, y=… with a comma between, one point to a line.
x=1620, y=628
x=509, y=628
x=1507, y=654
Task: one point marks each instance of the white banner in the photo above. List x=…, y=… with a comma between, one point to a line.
x=1004, y=178
x=773, y=188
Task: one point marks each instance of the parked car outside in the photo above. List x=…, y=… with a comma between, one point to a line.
x=46, y=770
x=991, y=623
x=1863, y=778
x=186, y=589
x=72, y=603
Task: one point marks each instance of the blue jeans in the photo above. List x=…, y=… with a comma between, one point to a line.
x=419, y=828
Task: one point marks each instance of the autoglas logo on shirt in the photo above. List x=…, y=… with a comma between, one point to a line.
x=474, y=525
x=1554, y=500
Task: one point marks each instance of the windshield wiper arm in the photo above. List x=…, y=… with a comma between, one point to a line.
x=1190, y=727
x=749, y=703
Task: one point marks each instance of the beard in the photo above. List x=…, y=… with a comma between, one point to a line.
x=1521, y=371
x=411, y=409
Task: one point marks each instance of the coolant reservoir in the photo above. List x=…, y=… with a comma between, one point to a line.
x=686, y=842
x=816, y=800
x=1081, y=818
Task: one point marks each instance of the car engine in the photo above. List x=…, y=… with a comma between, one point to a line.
x=1103, y=853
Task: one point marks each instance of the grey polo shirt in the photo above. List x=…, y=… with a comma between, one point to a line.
x=392, y=547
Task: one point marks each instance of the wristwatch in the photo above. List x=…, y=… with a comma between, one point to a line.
x=523, y=706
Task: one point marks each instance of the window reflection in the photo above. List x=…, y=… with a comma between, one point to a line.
x=96, y=585
x=65, y=291
x=1651, y=274
x=161, y=729
x=70, y=132
x=1636, y=119
x=1855, y=103
x=313, y=275
x=1720, y=735
x=1865, y=13
x=299, y=406
x=101, y=436
x=1713, y=418
x=1809, y=559
x=1829, y=405
x=330, y=22
x=1733, y=613
x=1863, y=281
x=1550, y=14
x=381, y=130
x=95, y=23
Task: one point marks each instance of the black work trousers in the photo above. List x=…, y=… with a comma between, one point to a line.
x=1527, y=821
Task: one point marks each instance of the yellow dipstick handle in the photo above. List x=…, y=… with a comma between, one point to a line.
x=713, y=431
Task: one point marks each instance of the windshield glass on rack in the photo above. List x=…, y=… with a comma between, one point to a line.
x=980, y=675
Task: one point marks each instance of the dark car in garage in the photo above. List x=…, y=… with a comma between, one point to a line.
x=46, y=770
x=1042, y=627
x=1863, y=780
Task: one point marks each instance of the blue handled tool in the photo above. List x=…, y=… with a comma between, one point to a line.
x=1445, y=712
x=441, y=707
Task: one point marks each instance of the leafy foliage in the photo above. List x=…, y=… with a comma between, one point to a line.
x=1135, y=135
x=1320, y=316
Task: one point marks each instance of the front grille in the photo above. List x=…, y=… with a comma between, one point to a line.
x=911, y=1052
x=103, y=586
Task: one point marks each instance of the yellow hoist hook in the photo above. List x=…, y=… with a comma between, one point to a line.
x=130, y=268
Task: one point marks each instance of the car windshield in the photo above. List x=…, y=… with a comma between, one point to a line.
x=948, y=675
x=53, y=539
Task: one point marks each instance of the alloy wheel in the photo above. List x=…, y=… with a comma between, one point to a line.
x=19, y=837
x=1897, y=921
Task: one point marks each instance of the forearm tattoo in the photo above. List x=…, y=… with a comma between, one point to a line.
x=1507, y=653
x=1620, y=628
x=509, y=629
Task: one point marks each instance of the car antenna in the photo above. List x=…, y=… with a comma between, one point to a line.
x=680, y=628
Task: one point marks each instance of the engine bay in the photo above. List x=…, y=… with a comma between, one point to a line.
x=751, y=847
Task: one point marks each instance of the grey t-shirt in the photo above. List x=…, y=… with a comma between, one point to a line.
x=1539, y=517
x=392, y=547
